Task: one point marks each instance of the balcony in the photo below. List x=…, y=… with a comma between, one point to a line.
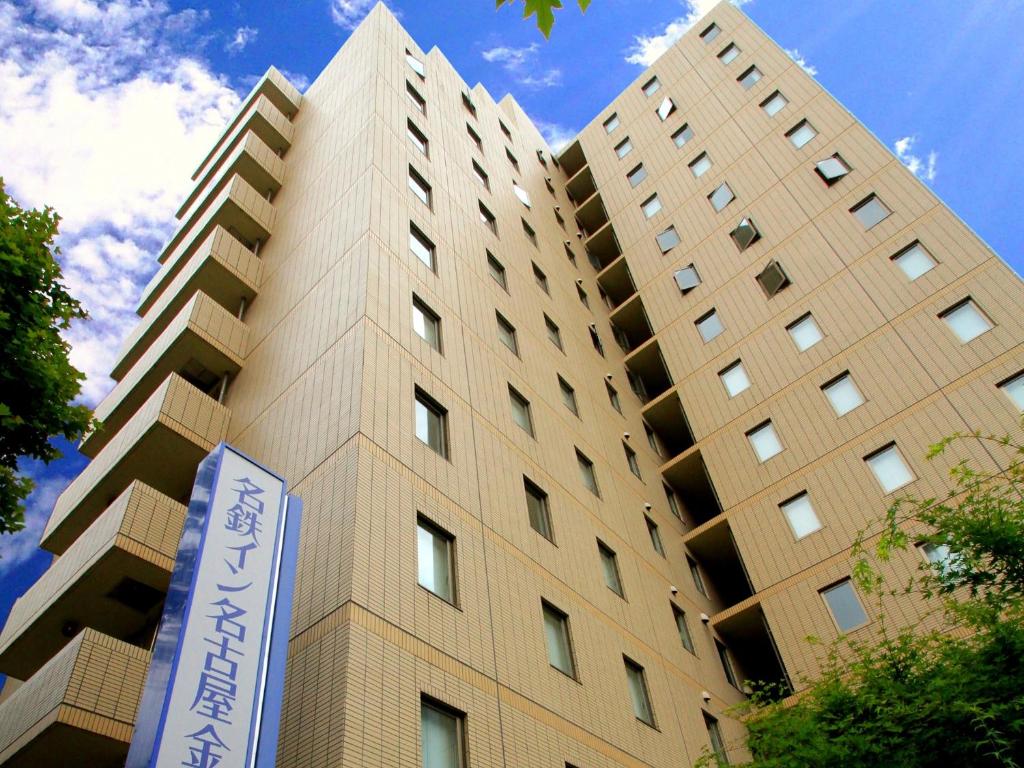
x=203, y=344
x=603, y=247
x=581, y=185
x=572, y=159
x=688, y=476
x=666, y=417
x=79, y=709
x=630, y=321
x=648, y=366
x=161, y=445
x=745, y=629
x=714, y=546
x=591, y=214
x=112, y=579
x=617, y=281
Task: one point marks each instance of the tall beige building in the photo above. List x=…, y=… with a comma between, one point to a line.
x=583, y=442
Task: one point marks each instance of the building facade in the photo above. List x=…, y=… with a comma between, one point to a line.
x=583, y=442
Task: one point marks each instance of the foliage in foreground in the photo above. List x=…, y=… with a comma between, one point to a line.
x=544, y=10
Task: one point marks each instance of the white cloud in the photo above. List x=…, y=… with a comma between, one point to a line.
x=557, y=136
x=348, y=13
x=510, y=58
x=801, y=62
x=922, y=168
x=297, y=79
x=520, y=63
x=647, y=48
x=243, y=36
x=17, y=548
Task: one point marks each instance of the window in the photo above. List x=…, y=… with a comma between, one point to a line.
x=475, y=137
x=556, y=635
x=541, y=278
x=652, y=531
x=715, y=737
x=773, y=278
x=537, y=509
x=414, y=97
x=638, y=693
x=506, y=131
x=695, y=574
x=801, y=134
x=966, y=320
x=804, y=332
x=415, y=64
x=583, y=296
x=764, y=440
x=623, y=148
x=727, y=667
x=843, y=394
x=610, y=568
x=568, y=396
x=467, y=102
x=522, y=194
x=636, y=175
x=721, y=197
x=844, y=605
x=651, y=206
x=417, y=138
x=668, y=239
x=701, y=165
x=497, y=271
x=554, y=334
x=561, y=223
x=870, y=211
x=889, y=468
x=750, y=77
x=434, y=561
x=442, y=735
x=1013, y=388
x=801, y=515
x=673, y=501
x=507, y=333
x=666, y=109
x=426, y=323
x=683, y=628
x=512, y=159
x=709, y=325
x=774, y=104
x=419, y=187
x=832, y=169
x=734, y=379
x=421, y=247
x=528, y=231
x=481, y=175
x=431, y=423
x=687, y=278
x=710, y=33
x=488, y=219
x=729, y=53
x=652, y=440
x=570, y=255
x=683, y=135
x=745, y=234
x=914, y=260
x=631, y=460
x=613, y=397
x=540, y=157
x=611, y=123
x=651, y=86
x=521, y=411
x=938, y=555
x=587, y=473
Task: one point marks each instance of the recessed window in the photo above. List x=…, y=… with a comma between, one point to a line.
x=477, y=141
x=442, y=728
x=556, y=635
x=512, y=159
x=673, y=501
x=938, y=555
x=683, y=135
x=966, y=320
x=638, y=693
x=701, y=165
x=666, y=109
x=889, y=468
x=613, y=397
x=540, y=278
x=687, y=278
x=537, y=509
x=507, y=333
x=651, y=86
x=668, y=239
x=418, y=139
x=481, y=175
x=832, y=169
x=914, y=261
x=765, y=441
x=610, y=568
x=434, y=559
x=419, y=187
x=750, y=77
x=800, y=515
x=773, y=278
x=520, y=411
x=631, y=460
x=497, y=271
x=554, y=334
x=415, y=64
x=568, y=396
x=570, y=255
x=561, y=223
x=652, y=440
x=682, y=627
x=426, y=323
x=623, y=148
x=415, y=99
x=655, y=536
x=636, y=175
x=587, y=473
x=710, y=325
x=710, y=33
x=801, y=134
x=583, y=296
x=734, y=379
x=467, y=102
x=843, y=394
x=870, y=211
x=522, y=194
x=540, y=157
x=650, y=206
x=721, y=197
x=695, y=574
x=715, y=737
x=506, y=131
x=531, y=235
x=431, y=423
x=745, y=234
x=487, y=218
x=727, y=667
x=844, y=605
x=611, y=123
x=729, y=53
x=804, y=332
x=1013, y=388
x=421, y=246
x=774, y=104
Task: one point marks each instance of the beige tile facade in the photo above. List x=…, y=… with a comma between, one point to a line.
x=282, y=321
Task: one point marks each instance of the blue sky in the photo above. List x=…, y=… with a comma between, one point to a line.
x=107, y=105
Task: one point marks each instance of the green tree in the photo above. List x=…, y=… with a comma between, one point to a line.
x=948, y=697
x=544, y=10
x=37, y=382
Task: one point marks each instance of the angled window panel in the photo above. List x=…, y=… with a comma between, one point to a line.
x=832, y=169
x=668, y=239
x=721, y=197
x=666, y=109
x=415, y=64
x=745, y=234
x=773, y=278
x=687, y=278
x=557, y=639
x=522, y=194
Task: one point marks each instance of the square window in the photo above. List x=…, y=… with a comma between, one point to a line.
x=750, y=77
x=666, y=109
x=870, y=211
x=610, y=568
x=537, y=509
x=414, y=97
x=845, y=606
x=765, y=442
x=481, y=175
x=521, y=411
x=568, y=396
x=721, y=197
x=638, y=693
x=636, y=175
x=421, y=247
x=434, y=559
x=701, y=165
x=745, y=234
x=415, y=64
x=497, y=271
x=735, y=379
x=651, y=86
x=710, y=326
x=623, y=148
x=487, y=218
x=1013, y=388
x=507, y=333
x=655, y=536
x=729, y=53
x=773, y=278
x=554, y=334
x=668, y=239
x=611, y=123
x=650, y=206
x=801, y=515
x=683, y=135
x=417, y=138
x=727, y=667
x=889, y=468
x=587, y=473
x=512, y=159
x=431, y=423
x=832, y=169
x=522, y=194
x=966, y=320
x=695, y=574
x=801, y=134
x=426, y=323
x=682, y=627
x=914, y=260
x=715, y=737
x=442, y=729
x=804, y=332
x=556, y=636
x=467, y=102
x=541, y=278
x=774, y=104
x=710, y=33
x=843, y=394
x=938, y=555
x=613, y=397
x=687, y=278
x=477, y=141
x=419, y=187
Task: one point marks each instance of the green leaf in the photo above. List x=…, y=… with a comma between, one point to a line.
x=544, y=11
x=584, y=4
